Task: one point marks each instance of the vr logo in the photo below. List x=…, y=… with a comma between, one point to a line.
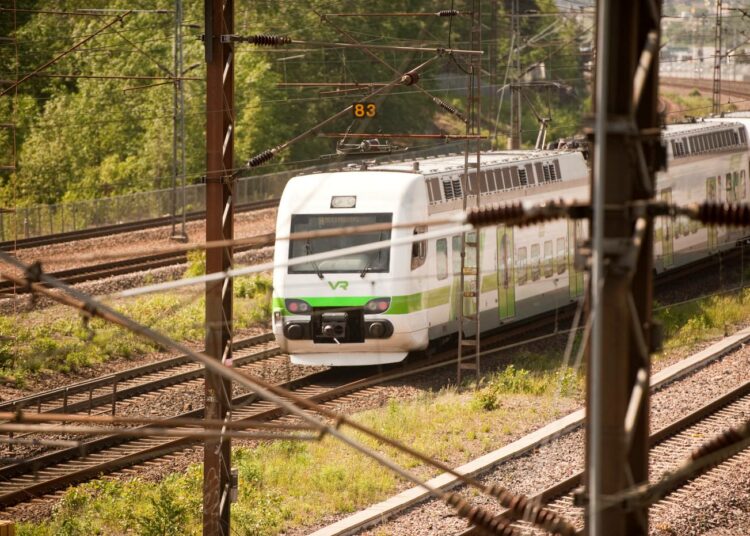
x=343, y=285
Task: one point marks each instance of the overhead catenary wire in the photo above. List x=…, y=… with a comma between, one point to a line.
x=64, y=53
x=407, y=78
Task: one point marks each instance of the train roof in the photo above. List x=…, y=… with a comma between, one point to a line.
x=680, y=129
x=430, y=166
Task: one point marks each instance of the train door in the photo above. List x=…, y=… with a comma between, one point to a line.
x=456, y=298
x=712, y=194
x=506, y=288
x=575, y=277
x=667, y=232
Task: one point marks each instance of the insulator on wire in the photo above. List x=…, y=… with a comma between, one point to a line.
x=522, y=507
x=487, y=521
x=724, y=213
x=447, y=107
x=494, y=213
x=516, y=213
x=269, y=40
x=410, y=78
x=261, y=158
x=448, y=13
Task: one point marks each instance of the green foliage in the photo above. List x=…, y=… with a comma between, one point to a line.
x=167, y=516
x=196, y=263
x=285, y=485
x=85, y=138
x=257, y=291
x=688, y=323
x=542, y=378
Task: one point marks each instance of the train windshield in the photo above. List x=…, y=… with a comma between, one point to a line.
x=369, y=261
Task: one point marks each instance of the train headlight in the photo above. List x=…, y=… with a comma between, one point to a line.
x=378, y=305
x=297, y=307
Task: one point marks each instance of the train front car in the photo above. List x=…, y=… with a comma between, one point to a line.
x=350, y=309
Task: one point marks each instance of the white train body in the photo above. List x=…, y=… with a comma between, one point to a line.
x=375, y=307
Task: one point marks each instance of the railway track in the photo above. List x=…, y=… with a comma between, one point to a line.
x=52, y=471
x=108, y=230
x=127, y=266
x=670, y=447
x=731, y=88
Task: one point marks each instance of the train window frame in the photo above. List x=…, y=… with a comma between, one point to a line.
x=561, y=255
x=743, y=135
x=548, y=262
x=728, y=188
x=691, y=142
x=441, y=258
x=456, y=249
x=419, y=249
x=535, y=262
x=522, y=275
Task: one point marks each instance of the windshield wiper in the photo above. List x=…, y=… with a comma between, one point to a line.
x=368, y=265
x=309, y=251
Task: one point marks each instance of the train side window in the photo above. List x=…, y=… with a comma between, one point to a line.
x=549, y=261
x=441, y=248
x=522, y=177
x=742, y=135
x=536, y=270
x=456, y=248
x=729, y=196
x=418, y=249
x=562, y=262
x=691, y=142
x=742, y=185
x=522, y=274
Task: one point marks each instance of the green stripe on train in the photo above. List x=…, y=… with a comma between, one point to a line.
x=400, y=305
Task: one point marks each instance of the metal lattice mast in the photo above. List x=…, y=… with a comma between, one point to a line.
x=626, y=158
x=220, y=181
x=716, y=98
x=178, y=130
x=470, y=300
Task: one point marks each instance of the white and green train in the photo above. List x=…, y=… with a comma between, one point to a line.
x=374, y=307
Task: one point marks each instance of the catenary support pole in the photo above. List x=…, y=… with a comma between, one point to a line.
x=219, y=226
x=178, y=130
x=515, y=85
x=625, y=155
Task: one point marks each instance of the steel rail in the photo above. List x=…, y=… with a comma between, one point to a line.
x=127, y=266
x=155, y=450
x=107, y=230
x=48, y=461
x=88, y=386
x=566, y=486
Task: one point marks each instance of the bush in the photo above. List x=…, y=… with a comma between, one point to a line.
x=167, y=516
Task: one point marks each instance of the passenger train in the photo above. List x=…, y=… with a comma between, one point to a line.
x=375, y=307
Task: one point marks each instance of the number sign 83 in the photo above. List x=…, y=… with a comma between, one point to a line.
x=365, y=109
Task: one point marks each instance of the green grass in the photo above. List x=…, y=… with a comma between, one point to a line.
x=60, y=340
x=702, y=320
x=290, y=484
x=695, y=104
x=284, y=485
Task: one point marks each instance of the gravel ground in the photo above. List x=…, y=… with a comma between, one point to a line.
x=564, y=457
x=70, y=255
x=93, y=251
